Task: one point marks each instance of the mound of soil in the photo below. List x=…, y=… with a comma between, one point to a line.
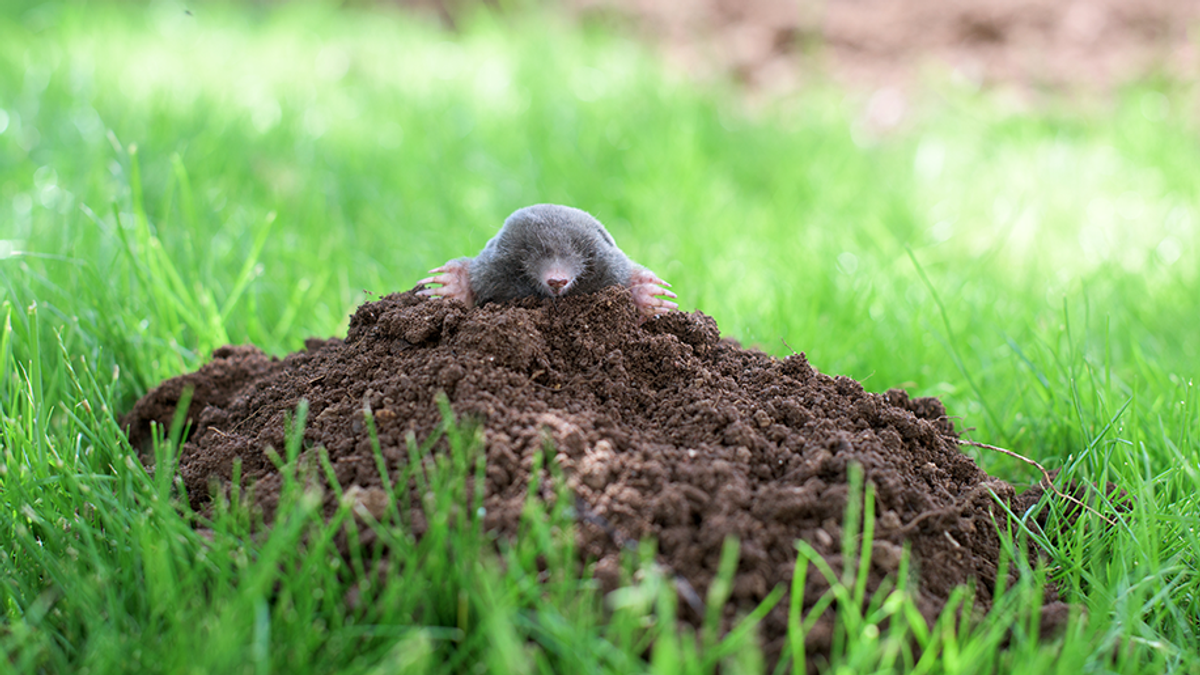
x=663, y=430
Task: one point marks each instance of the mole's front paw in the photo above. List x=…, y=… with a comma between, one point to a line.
x=645, y=286
x=455, y=281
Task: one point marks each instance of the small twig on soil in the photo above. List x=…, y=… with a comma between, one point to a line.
x=1014, y=455
x=1045, y=475
x=269, y=407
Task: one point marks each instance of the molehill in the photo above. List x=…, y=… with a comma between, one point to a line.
x=663, y=430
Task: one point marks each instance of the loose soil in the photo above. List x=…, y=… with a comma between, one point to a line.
x=663, y=430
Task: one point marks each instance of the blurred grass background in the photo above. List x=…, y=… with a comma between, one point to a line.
x=173, y=178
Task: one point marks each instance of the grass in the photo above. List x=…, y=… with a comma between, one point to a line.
x=173, y=181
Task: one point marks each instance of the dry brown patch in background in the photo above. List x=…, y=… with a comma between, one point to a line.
x=1025, y=45
x=663, y=430
x=875, y=43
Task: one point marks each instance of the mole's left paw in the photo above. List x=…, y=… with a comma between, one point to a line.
x=645, y=286
x=455, y=281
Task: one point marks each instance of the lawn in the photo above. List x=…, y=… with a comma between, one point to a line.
x=175, y=180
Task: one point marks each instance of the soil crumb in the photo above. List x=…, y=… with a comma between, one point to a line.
x=663, y=430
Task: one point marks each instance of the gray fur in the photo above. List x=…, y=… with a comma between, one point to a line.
x=511, y=264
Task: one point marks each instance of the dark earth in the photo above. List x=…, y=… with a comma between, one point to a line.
x=663, y=430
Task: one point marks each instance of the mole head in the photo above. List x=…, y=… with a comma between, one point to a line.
x=555, y=245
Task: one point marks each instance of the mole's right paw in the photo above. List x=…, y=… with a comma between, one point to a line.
x=455, y=281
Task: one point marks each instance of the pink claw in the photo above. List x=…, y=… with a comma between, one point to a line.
x=455, y=282
x=645, y=285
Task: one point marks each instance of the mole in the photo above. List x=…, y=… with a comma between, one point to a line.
x=549, y=251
